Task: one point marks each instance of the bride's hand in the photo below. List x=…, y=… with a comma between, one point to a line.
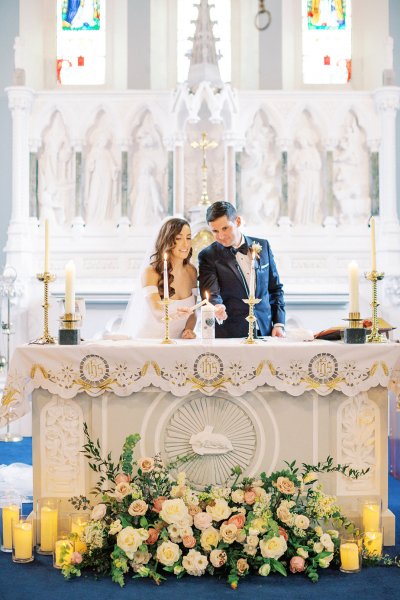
x=188, y=334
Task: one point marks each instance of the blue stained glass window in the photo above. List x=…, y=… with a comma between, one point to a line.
x=80, y=14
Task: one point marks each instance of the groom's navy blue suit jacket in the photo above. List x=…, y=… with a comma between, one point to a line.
x=221, y=277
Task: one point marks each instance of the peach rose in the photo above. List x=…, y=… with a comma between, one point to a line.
x=189, y=541
x=158, y=502
x=202, y=520
x=218, y=558
x=146, y=464
x=138, y=508
x=122, y=490
x=297, y=564
x=122, y=478
x=283, y=533
x=98, y=512
x=194, y=509
x=242, y=566
x=238, y=520
x=153, y=535
x=249, y=496
x=285, y=486
x=76, y=558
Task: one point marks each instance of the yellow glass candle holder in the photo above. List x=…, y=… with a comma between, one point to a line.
x=78, y=522
x=350, y=553
x=372, y=514
x=63, y=549
x=373, y=542
x=22, y=540
x=10, y=511
x=47, y=524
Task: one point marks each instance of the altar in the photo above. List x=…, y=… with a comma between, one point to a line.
x=219, y=403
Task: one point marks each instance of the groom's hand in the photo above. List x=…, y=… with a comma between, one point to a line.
x=220, y=312
x=278, y=331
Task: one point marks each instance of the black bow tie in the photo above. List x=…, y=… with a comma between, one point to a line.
x=243, y=249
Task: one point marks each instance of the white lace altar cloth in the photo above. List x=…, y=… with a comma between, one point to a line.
x=125, y=367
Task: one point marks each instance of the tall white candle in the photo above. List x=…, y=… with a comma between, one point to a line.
x=46, y=246
x=166, y=290
x=253, y=276
x=353, y=287
x=207, y=320
x=70, y=287
x=373, y=244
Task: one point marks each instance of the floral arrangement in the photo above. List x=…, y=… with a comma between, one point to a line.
x=148, y=523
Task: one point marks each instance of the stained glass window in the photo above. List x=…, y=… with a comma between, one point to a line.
x=187, y=14
x=81, y=42
x=326, y=40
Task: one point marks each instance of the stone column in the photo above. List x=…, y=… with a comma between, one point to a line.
x=78, y=222
x=179, y=175
x=284, y=220
x=387, y=101
x=230, y=169
x=123, y=221
x=330, y=220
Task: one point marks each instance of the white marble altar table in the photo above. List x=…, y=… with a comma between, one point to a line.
x=222, y=403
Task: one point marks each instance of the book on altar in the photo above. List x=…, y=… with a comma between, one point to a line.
x=336, y=333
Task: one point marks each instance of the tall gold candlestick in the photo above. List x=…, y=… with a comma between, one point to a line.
x=251, y=301
x=46, y=338
x=375, y=337
x=166, y=319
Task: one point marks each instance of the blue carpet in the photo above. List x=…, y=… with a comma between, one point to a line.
x=39, y=580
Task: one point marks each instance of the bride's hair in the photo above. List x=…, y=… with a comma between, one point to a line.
x=165, y=242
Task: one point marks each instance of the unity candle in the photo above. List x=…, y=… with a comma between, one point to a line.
x=63, y=550
x=373, y=244
x=22, y=531
x=10, y=513
x=353, y=285
x=373, y=541
x=166, y=290
x=46, y=246
x=371, y=516
x=253, y=276
x=70, y=288
x=207, y=320
x=349, y=557
x=48, y=528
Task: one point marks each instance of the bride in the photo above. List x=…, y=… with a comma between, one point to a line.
x=143, y=317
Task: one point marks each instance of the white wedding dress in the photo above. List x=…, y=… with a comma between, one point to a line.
x=140, y=322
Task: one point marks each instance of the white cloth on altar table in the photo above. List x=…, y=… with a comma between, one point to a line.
x=126, y=367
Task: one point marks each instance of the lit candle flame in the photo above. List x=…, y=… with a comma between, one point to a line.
x=207, y=296
x=165, y=256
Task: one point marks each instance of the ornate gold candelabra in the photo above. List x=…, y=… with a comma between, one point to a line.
x=375, y=337
x=46, y=277
x=166, y=319
x=251, y=301
x=204, y=144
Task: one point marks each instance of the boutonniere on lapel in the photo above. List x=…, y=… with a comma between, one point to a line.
x=256, y=248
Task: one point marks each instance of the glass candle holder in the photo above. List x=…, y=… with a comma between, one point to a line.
x=10, y=511
x=78, y=522
x=63, y=549
x=373, y=542
x=22, y=540
x=350, y=553
x=47, y=524
x=371, y=513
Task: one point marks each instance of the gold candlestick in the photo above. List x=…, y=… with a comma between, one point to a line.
x=46, y=277
x=375, y=337
x=166, y=319
x=251, y=301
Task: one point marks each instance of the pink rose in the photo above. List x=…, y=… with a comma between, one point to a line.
x=202, y=520
x=249, y=496
x=237, y=520
x=189, y=541
x=283, y=533
x=297, y=564
x=98, y=512
x=158, y=502
x=122, y=478
x=285, y=486
x=122, y=489
x=146, y=464
x=76, y=558
x=153, y=535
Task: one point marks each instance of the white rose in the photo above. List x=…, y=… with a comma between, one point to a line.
x=264, y=570
x=168, y=553
x=302, y=552
x=218, y=558
x=220, y=510
x=252, y=540
x=238, y=496
x=174, y=511
x=318, y=547
x=195, y=563
x=275, y=547
x=301, y=522
x=98, y=512
x=209, y=538
x=228, y=532
x=326, y=540
x=141, y=557
x=129, y=540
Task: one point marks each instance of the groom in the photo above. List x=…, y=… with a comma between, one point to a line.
x=224, y=272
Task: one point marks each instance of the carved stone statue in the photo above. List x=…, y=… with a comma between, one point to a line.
x=101, y=181
x=207, y=442
x=148, y=175
x=306, y=166
x=260, y=193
